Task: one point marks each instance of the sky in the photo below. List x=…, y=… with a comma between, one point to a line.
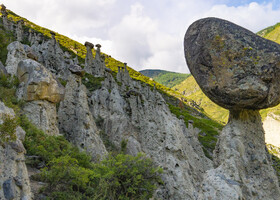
x=147, y=34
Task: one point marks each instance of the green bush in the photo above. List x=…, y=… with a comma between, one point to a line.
x=8, y=129
x=92, y=83
x=69, y=174
x=50, y=147
x=125, y=177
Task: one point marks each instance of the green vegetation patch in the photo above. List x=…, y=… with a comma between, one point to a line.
x=209, y=129
x=5, y=39
x=166, y=78
x=92, y=83
x=70, y=174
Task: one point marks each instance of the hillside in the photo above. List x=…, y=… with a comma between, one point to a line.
x=77, y=117
x=166, y=78
x=271, y=33
x=87, y=129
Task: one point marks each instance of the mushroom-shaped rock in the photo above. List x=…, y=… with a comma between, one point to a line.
x=98, y=46
x=39, y=83
x=234, y=67
x=76, y=69
x=239, y=71
x=90, y=45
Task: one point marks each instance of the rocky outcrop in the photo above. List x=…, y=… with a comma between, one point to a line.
x=238, y=70
x=14, y=181
x=3, y=69
x=4, y=17
x=243, y=166
x=76, y=122
x=94, y=66
x=16, y=53
x=39, y=83
x=234, y=67
x=42, y=92
x=19, y=30
x=139, y=116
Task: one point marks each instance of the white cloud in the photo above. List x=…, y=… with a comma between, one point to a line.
x=252, y=16
x=147, y=34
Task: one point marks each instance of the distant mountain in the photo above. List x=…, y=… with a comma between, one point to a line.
x=166, y=78
x=271, y=33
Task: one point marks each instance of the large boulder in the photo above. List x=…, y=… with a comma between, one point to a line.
x=39, y=83
x=234, y=67
x=239, y=71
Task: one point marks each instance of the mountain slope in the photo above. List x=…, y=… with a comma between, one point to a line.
x=271, y=33
x=209, y=129
x=166, y=78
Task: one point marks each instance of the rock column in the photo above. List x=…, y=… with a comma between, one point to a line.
x=89, y=57
x=19, y=31
x=4, y=17
x=239, y=71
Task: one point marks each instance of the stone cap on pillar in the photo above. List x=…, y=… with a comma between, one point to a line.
x=98, y=46
x=88, y=44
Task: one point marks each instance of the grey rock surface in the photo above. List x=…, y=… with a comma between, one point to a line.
x=239, y=71
x=42, y=114
x=76, y=122
x=16, y=53
x=76, y=69
x=39, y=83
x=242, y=164
x=12, y=165
x=136, y=114
x=234, y=67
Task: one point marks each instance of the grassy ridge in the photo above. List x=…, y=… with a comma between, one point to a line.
x=166, y=78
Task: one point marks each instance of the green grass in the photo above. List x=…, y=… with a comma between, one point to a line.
x=209, y=128
x=166, y=78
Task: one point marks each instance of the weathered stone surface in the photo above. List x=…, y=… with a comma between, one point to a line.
x=12, y=165
x=142, y=118
x=39, y=83
x=19, y=30
x=16, y=53
x=3, y=69
x=242, y=164
x=42, y=114
x=233, y=66
x=239, y=71
x=76, y=121
x=9, y=189
x=76, y=69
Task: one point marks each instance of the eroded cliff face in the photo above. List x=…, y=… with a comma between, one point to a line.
x=139, y=115
x=14, y=180
x=76, y=122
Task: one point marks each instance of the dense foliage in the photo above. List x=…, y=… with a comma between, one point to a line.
x=70, y=174
x=8, y=129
